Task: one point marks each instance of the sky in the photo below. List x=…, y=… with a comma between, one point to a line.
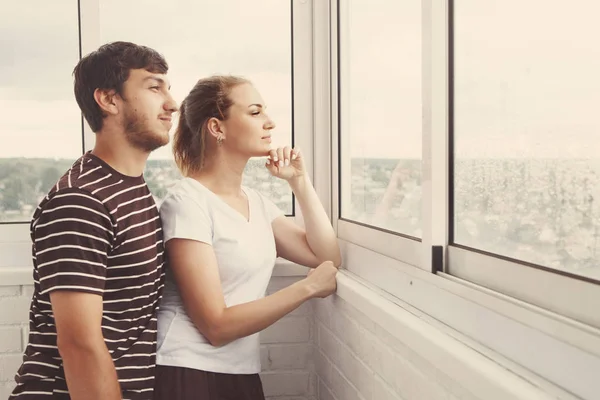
x=526, y=80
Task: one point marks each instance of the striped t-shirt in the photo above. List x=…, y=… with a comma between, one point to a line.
x=96, y=231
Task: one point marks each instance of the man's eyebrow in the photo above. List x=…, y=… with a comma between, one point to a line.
x=158, y=79
x=257, y=105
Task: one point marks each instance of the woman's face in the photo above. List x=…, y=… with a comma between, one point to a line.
x=248, y=127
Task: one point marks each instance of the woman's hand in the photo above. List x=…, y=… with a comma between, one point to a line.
x=321, y=280
x=286, y=163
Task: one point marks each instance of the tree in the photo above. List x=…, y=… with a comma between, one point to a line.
x=49, y=177
x=12, y=193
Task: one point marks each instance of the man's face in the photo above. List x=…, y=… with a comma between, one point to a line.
x=147, y=109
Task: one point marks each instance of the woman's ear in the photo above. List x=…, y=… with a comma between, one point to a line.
x=215, y=128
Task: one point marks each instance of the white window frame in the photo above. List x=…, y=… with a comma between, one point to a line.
x=568, y=296
x=411, y=251
x=15, y=241
x=565, y=294
x=534, y=336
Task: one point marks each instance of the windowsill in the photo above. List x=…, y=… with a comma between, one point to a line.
x=552, y=352
x=13, y=276
x=475, y=371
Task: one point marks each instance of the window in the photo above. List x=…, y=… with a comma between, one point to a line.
x=380, y=114
x=525, y=164
x=252, y=39
x=41, y=130
x=377, y=125
x=526, y=148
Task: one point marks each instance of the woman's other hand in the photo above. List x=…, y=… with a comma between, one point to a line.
x=286, y=163
x=321, y=280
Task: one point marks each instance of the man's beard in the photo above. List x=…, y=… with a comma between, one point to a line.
x=139, y=135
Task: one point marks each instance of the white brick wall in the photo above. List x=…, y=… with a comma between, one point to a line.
x=355, y=359
x=14, y=317
x=286, y=352
x=286, y=349
x=326, y=349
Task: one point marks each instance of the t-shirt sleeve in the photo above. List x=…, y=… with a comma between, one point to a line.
x=72, y=240
x=184, y=217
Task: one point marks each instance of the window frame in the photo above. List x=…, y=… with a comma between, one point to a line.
x=554, y=290
x=15, y=241
x=529, y=338
x=409, y=250
x=565, y=294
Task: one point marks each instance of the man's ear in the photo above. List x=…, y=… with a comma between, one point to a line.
x=107, y=101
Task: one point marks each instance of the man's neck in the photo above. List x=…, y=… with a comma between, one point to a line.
x=122, y=157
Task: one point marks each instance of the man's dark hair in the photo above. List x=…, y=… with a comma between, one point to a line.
x=108, y=68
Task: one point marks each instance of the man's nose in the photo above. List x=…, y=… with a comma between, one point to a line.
x=171, y=104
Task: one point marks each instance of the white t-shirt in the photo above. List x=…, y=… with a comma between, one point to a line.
x=245, y=251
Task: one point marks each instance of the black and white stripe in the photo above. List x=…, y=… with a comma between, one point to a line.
x=96, y=231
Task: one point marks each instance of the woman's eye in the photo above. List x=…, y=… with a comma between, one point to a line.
x=255, y=112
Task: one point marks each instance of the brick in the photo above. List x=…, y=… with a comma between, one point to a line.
x=280, y=282
x=407, y=380
x=288, y=330
x=10, y=339
x=304, y=309
x=371, y=351
x=381, y=391
x=329, y=345
x=399, y=347
x=9, y=291
x=347, y=330
x=6, y=389
x=27, y=291
x=322, y=310
x=289, y=398
x=325, y=392
x=356, y=372
x=312, y=384
x=25, y=336
x=285, y=383
x=323, y=367
x=9, y=364
x=286, y=357
x=343, y=307
x=14, y=310
x=342, y=388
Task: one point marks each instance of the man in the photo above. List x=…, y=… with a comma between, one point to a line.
x=97, y=241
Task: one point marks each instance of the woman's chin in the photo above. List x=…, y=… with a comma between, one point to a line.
x=261, y=151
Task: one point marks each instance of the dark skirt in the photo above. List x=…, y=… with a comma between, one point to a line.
x=177, y=383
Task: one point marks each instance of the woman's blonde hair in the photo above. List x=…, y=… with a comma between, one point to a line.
x=210, y=98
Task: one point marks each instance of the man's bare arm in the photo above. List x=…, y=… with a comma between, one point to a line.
x=89, y=369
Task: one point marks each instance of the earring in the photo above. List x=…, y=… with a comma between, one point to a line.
x=220, y=139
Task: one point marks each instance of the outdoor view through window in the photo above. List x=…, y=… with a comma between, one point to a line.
x=41, y=125
x=526, y=132
x=526, y=150
x=43, y=136
x=380, y=114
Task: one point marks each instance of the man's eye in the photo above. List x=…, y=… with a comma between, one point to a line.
x=155, y=87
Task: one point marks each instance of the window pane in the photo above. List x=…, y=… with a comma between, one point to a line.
x=41, y=126
x=380, y=114
x=202, y=38
x=527, y=154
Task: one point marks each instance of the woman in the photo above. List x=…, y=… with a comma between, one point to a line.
x=222, y=240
